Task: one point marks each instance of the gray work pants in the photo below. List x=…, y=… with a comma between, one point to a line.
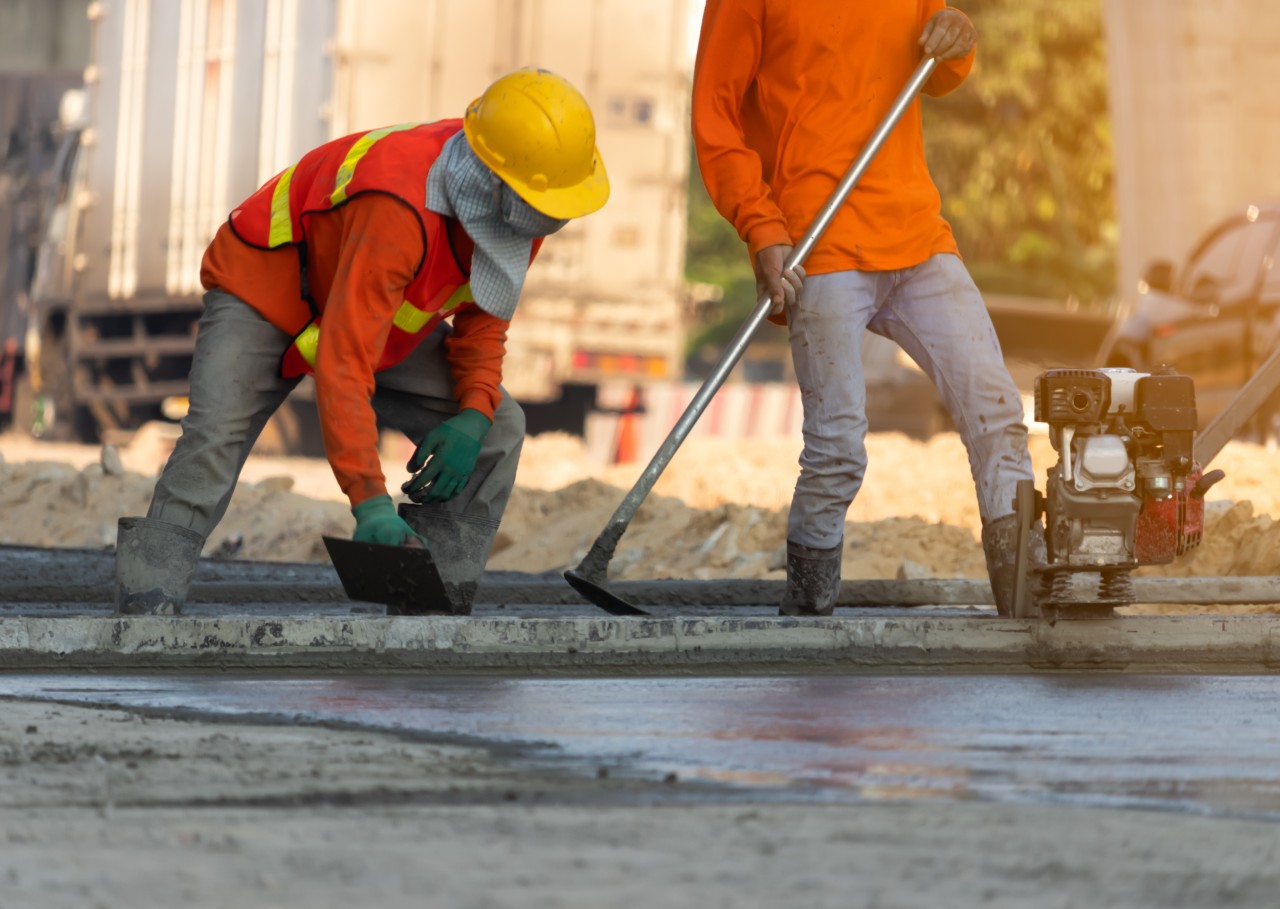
x=236, y=386
x=936, y=314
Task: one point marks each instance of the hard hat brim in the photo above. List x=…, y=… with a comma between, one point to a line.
x=569, y=201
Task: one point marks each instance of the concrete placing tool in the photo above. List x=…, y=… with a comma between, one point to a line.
x=404, y=578
x=591, y=575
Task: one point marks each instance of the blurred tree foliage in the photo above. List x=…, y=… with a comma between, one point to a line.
x=1021, y=154
x=714, y=255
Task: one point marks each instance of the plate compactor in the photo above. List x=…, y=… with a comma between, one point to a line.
x=1126, y=490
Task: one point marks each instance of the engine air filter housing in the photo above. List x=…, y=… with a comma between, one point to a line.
x=1070, y=396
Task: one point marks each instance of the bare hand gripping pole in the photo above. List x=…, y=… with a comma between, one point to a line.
x=590, y=575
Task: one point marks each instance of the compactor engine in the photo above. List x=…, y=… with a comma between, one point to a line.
x=1126, y=490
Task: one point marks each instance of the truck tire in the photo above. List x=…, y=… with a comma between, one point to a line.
x=22, y=413
x=61, y=419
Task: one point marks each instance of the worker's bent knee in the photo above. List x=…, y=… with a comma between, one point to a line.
x=508, y=427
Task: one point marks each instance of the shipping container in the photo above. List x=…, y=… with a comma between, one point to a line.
x=192, y=104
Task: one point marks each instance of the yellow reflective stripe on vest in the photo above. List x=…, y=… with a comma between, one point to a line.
x=411, y=320
x=281, y=221
x=457, y=298
x=355, y=154
x=307, y=343
x=408, y=319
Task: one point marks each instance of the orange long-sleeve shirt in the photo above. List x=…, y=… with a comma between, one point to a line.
x=360, y=258
x=786, y=94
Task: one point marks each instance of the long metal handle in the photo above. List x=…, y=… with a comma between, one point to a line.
x=1239, y=410
x=596, y=562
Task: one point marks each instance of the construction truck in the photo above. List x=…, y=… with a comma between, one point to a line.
x=190, y=105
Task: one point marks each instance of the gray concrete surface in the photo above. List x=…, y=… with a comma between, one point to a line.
x=135, y=808
x=605, y=644
x=80, y=582
x=55, y=612
x=1200, y=744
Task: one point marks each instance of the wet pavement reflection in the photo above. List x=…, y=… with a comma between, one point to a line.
x=1191, y=743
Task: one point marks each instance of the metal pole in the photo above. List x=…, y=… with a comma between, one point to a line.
x=595, y=564
x=1242, y=408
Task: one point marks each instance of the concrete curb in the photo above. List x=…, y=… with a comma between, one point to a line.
x=613, y=645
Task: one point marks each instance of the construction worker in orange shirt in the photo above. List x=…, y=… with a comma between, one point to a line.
x=785, y=95
x=386, y=265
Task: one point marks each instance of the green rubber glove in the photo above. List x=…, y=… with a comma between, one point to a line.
x=377, y=522
x=452, y=448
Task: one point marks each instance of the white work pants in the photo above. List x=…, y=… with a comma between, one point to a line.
x=936, y=314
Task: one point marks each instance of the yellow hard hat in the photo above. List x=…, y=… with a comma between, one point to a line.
x=535, y=131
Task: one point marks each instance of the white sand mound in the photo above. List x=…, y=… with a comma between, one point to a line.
x=53, y=504
x=718, y=511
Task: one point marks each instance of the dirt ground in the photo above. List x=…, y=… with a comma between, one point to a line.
x=718, y=511
x=107, y=809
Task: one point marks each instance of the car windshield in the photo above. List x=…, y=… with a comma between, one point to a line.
x=1228, y=266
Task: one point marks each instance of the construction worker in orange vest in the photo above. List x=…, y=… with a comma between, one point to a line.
x=386, y=265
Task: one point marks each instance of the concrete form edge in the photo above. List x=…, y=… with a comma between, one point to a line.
x=1165, y=643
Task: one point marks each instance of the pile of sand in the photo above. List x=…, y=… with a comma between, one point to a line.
x=718, y=511
x=53, y=504
x=669, y=538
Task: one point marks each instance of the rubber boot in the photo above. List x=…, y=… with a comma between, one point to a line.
x=460, y=546
x=1000, y=546
x=813, y=580
x=155, y=562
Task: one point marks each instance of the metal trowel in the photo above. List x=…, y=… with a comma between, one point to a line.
x=402, y=577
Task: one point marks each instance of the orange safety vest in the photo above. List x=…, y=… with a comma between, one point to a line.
x=393, y=161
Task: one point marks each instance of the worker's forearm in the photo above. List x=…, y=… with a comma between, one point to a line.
x=376, y=261
x=475, y=352
x=344, y=389
x=350, y=432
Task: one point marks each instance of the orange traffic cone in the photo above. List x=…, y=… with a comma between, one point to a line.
x=628, y=439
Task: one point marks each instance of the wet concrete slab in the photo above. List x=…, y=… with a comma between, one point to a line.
x=1201, y=744
x=80, y=582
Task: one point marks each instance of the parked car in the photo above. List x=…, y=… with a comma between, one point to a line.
x=1216, y=319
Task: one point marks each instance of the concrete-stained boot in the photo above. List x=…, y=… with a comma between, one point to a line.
x=459, y=544
x=813, y=580
x=1000, y=546
x=155, y=562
